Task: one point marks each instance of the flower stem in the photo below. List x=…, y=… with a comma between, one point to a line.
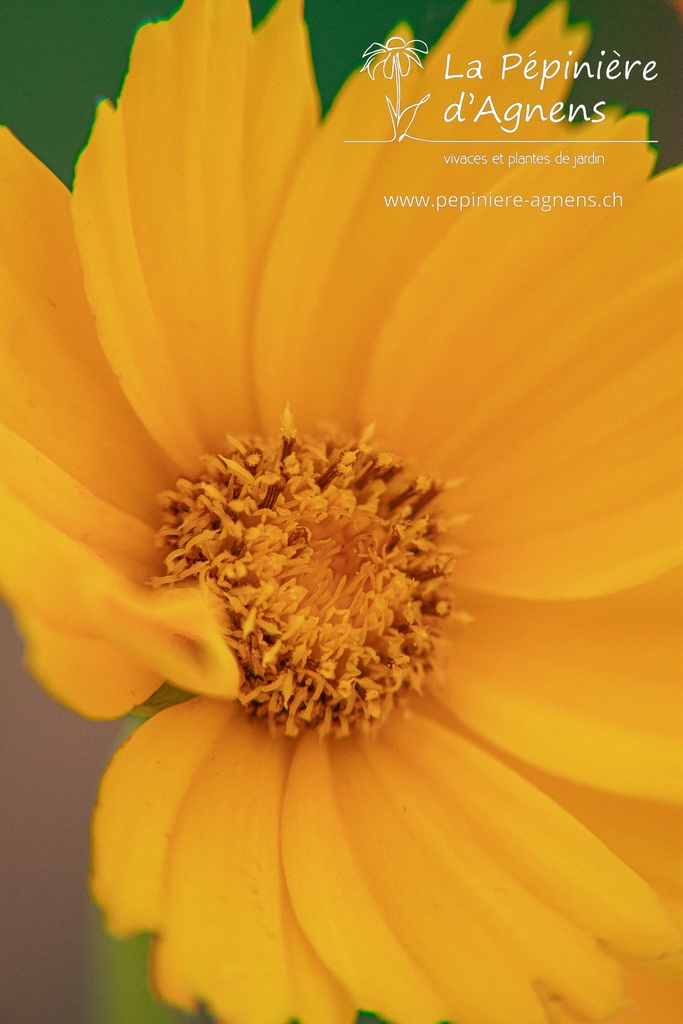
x=397, y=69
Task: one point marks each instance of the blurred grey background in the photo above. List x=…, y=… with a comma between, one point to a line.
x=50, y=763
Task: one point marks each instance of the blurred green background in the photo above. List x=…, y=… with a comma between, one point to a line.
x=57, y=59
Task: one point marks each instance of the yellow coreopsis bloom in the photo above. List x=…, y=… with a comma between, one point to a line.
x=381, y=507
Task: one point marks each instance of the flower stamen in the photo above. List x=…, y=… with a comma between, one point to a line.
x=331, y=575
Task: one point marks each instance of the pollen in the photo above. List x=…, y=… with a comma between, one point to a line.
x=330, y=564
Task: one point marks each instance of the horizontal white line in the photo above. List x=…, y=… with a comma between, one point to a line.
x=509, y=142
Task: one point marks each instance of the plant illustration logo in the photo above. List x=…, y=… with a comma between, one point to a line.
x=395, y=58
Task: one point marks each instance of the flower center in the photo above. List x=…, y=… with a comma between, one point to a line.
x=330, y=563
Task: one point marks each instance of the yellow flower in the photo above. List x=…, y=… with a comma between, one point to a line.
x=430, y=762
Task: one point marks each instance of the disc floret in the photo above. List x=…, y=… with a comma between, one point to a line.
x=330, y=567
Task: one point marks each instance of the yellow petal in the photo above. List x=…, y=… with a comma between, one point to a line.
x=540, y=844
x=175, y=199
x=651, y=1000
x=334, y=905
x=486, y=942
x=480, y=30
x=176, y=632
x=117, y=537
x=224, y=932
x=308, y=334
x=56, y=390
x=282, y=115
x=587, y=689
x=66, y=586
x=320, y=313
x=317, y=994
x=562, y=415
x=646, y=834
x=127, y=322
x=90, y=674
x=654, y=1000
x=137, y=806
x=606, y=555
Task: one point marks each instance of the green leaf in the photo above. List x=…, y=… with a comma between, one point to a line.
x=165, y=697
